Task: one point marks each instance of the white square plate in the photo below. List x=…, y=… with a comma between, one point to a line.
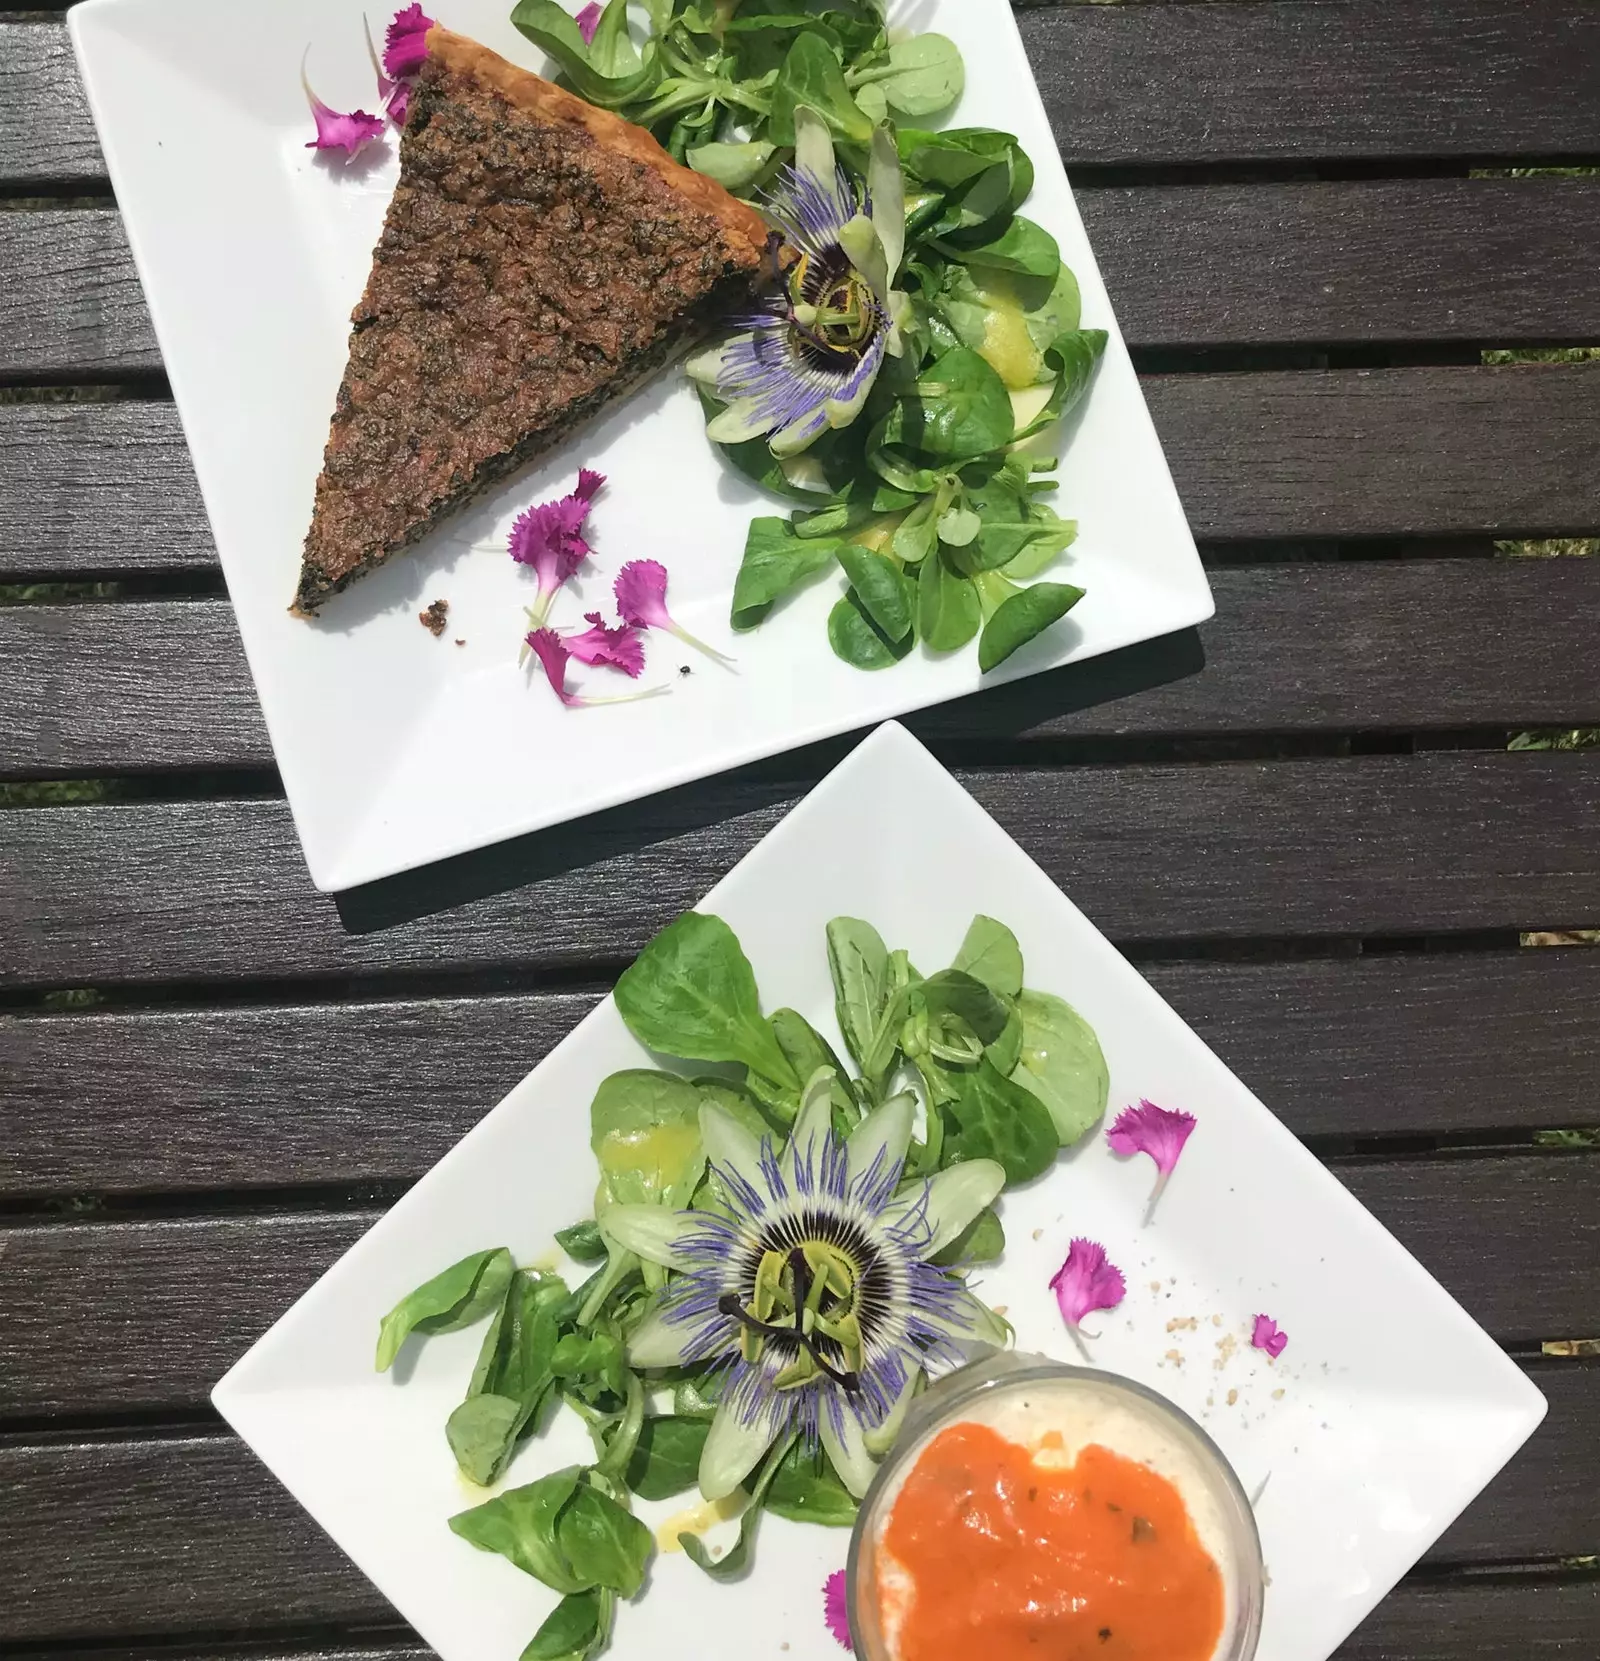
x=1376, y=1426
x=396, y=748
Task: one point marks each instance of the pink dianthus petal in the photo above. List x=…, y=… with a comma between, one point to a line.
x=589, y=483
x=547, y=646
x=405, y=46
x=614, y=648
x=399, y=103
x=546, y=537
x=1152, y=1130
x=1155, y=1131
x=1269, y=1336
x=350, y=133
x=1086, y=1282
x=641, y=590
x=588, y=20
x=836, y=1607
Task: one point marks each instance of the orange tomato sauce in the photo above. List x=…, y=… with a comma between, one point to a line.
x=1012, y=1560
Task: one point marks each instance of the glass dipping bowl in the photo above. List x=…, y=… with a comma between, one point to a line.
x=973, y=1393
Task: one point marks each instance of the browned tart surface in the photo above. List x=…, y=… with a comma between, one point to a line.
x=540, y=258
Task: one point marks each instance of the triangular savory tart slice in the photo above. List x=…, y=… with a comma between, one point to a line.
x=540, y=258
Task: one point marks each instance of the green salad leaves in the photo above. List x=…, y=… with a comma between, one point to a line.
x=965, y=1080
x=914, y=354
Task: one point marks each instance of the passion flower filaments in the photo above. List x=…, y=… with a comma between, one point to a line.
x=809, y=1285
x=808, y=359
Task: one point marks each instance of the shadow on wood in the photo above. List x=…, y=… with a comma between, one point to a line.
x=999, y=714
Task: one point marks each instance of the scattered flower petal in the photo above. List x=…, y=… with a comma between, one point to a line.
x=836, y=1607
x=405, y=46
x=548, y=538
x=552, y=653
x=588, y=20
x=1269, y=1336
x=1155, y=1131
x=399, y=102
x=545, y=644
x=350, y=133
x=641, y=590
x=615, y=648
x=1086, y=1282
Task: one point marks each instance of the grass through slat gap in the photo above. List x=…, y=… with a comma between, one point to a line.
x=130, y=1425
x=134, y=388
x=593, y=979
x=23, y=197
x=181, y=1205
x=188, y=584
x=236, y=784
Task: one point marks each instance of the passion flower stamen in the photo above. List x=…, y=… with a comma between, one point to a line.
x=809, y=1287
x=806, y=361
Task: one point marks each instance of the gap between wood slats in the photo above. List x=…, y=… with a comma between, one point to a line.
x=102, y=1318
x=1371, y=845
x=1319, y=648
x=1478, y=261
x=1416, y=1045
x=91, y=1532
x=1147, y=84
x=1473, y=452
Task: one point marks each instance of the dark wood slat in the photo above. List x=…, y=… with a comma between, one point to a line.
x=1151, y=85
x=96, y=489
x=107, y=1318
x=1490, y=260
x=1302, y=648
x=1413, y=1045
x=1485, y=260
x=88, y=488
x=1532, y=1620
x=91, y=1532
x=71, y=304
x=1467, y=1618
x=46, y=132
x=1371, y=845
x=1388, y=452
x=1367, y=80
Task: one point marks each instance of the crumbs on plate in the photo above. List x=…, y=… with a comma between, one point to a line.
x=433, y=618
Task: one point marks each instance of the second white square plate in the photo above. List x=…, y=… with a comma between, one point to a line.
x=1385, y=1415
x=396, y=748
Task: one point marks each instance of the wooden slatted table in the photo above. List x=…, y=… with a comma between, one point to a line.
x=1334, y=229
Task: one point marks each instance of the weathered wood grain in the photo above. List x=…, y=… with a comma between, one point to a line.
x=299, y=1094
x=1148, y=85
x=1321, y=647
x=190, y=1534
x=71, y=305
x=1367, y=846
x=1368, y=80
x=110, y=1318
x=46, y=132
x=1532, y=1620
x=96, y=489
x=1461, y=1618
x=1493, y=261
x=1416, y=260
x=1387, y=452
